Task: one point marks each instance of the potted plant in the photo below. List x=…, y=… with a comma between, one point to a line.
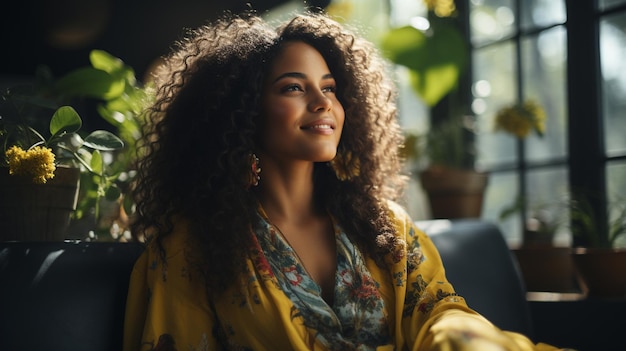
x=519, y=120
x=103, y=207
x=443, y=158
x=542, y=222
x=539, y=226
x=601, y=262
x=42, y=136
x=435, y=56
x=545, y=267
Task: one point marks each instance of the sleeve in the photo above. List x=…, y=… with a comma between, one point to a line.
x=430, y=314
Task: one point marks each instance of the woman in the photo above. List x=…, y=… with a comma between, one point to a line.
x=266, y=193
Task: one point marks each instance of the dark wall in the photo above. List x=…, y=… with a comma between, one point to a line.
x=61, y=33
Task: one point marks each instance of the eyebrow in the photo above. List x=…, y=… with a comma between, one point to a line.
x=299, y=75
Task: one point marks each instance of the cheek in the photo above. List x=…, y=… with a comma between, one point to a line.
x=277, y=121
x=277, y=112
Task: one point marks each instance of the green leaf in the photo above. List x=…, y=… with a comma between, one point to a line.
x=65, y=120
x=90, y=82
x=435, y=60
x=402, y=45
x=103, y=140
x=84, y=162
x=96, y=163
x=434, y=83
x=114, y=66
x=104, y=61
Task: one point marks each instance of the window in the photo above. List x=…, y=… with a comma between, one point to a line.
x=612, y=47
x=519, y=53
x=568, y=58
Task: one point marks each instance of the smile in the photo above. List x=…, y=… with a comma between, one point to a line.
x=319, y=126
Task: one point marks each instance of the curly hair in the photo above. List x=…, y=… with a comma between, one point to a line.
x=202, y=127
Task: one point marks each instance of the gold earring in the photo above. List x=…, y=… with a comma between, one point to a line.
x=345, y=166
x=254, y=172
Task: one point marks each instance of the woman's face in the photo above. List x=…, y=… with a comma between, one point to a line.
x=303, y=119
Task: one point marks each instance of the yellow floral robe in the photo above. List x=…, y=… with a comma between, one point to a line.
x=167, y=308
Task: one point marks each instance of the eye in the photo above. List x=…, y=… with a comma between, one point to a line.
x=291, y=88
x=330, y=89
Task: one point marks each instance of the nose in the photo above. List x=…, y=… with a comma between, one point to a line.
x=320, y=103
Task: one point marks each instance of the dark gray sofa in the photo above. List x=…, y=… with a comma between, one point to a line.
x=70, y=296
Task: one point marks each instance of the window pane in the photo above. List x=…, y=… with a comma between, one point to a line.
x=548, y=188
x=491, y=20
x=541, y=13
x=616, y=188
x=494, y=86
x=616, y=181
x=402, y=11
x=613, y=65
x=501, y=193
x=604, y=4
x=544, y=80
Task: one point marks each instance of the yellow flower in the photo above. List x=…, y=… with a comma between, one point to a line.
x=521, y=119
x=37, y=163
x=442, y=8
x=340, y=10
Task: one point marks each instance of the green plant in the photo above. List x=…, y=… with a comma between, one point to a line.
x=449, y=144
x=590, y=231
x=435, y=56
x=107, y=88
x=542, y=220
x=64, y=145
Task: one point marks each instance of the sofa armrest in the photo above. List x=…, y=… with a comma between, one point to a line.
x=64, y=295
x=482, y=269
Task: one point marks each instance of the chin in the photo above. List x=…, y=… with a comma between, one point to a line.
x=330, y=157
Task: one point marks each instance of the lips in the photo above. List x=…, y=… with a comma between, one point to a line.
x=320, y=125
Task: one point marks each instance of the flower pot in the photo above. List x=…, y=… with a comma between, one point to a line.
x=454, y=193
x=602, y=271
x=547, y=268
x=533, y=238
x=37, y=212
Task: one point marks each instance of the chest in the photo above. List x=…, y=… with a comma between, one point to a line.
x=283, y=292
x=315, y=247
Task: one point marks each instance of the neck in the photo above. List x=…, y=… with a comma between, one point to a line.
x=286, y=193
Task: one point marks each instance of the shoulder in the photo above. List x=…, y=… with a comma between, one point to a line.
x=398, y=214
x=405, y=227
x=174, y=241
x=396, y=209
x=166, y=252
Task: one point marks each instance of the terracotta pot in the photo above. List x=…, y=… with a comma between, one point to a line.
x=602, y=271
x=454, y=193
x=547, y=269
x=534, y=238
x=37, y=212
